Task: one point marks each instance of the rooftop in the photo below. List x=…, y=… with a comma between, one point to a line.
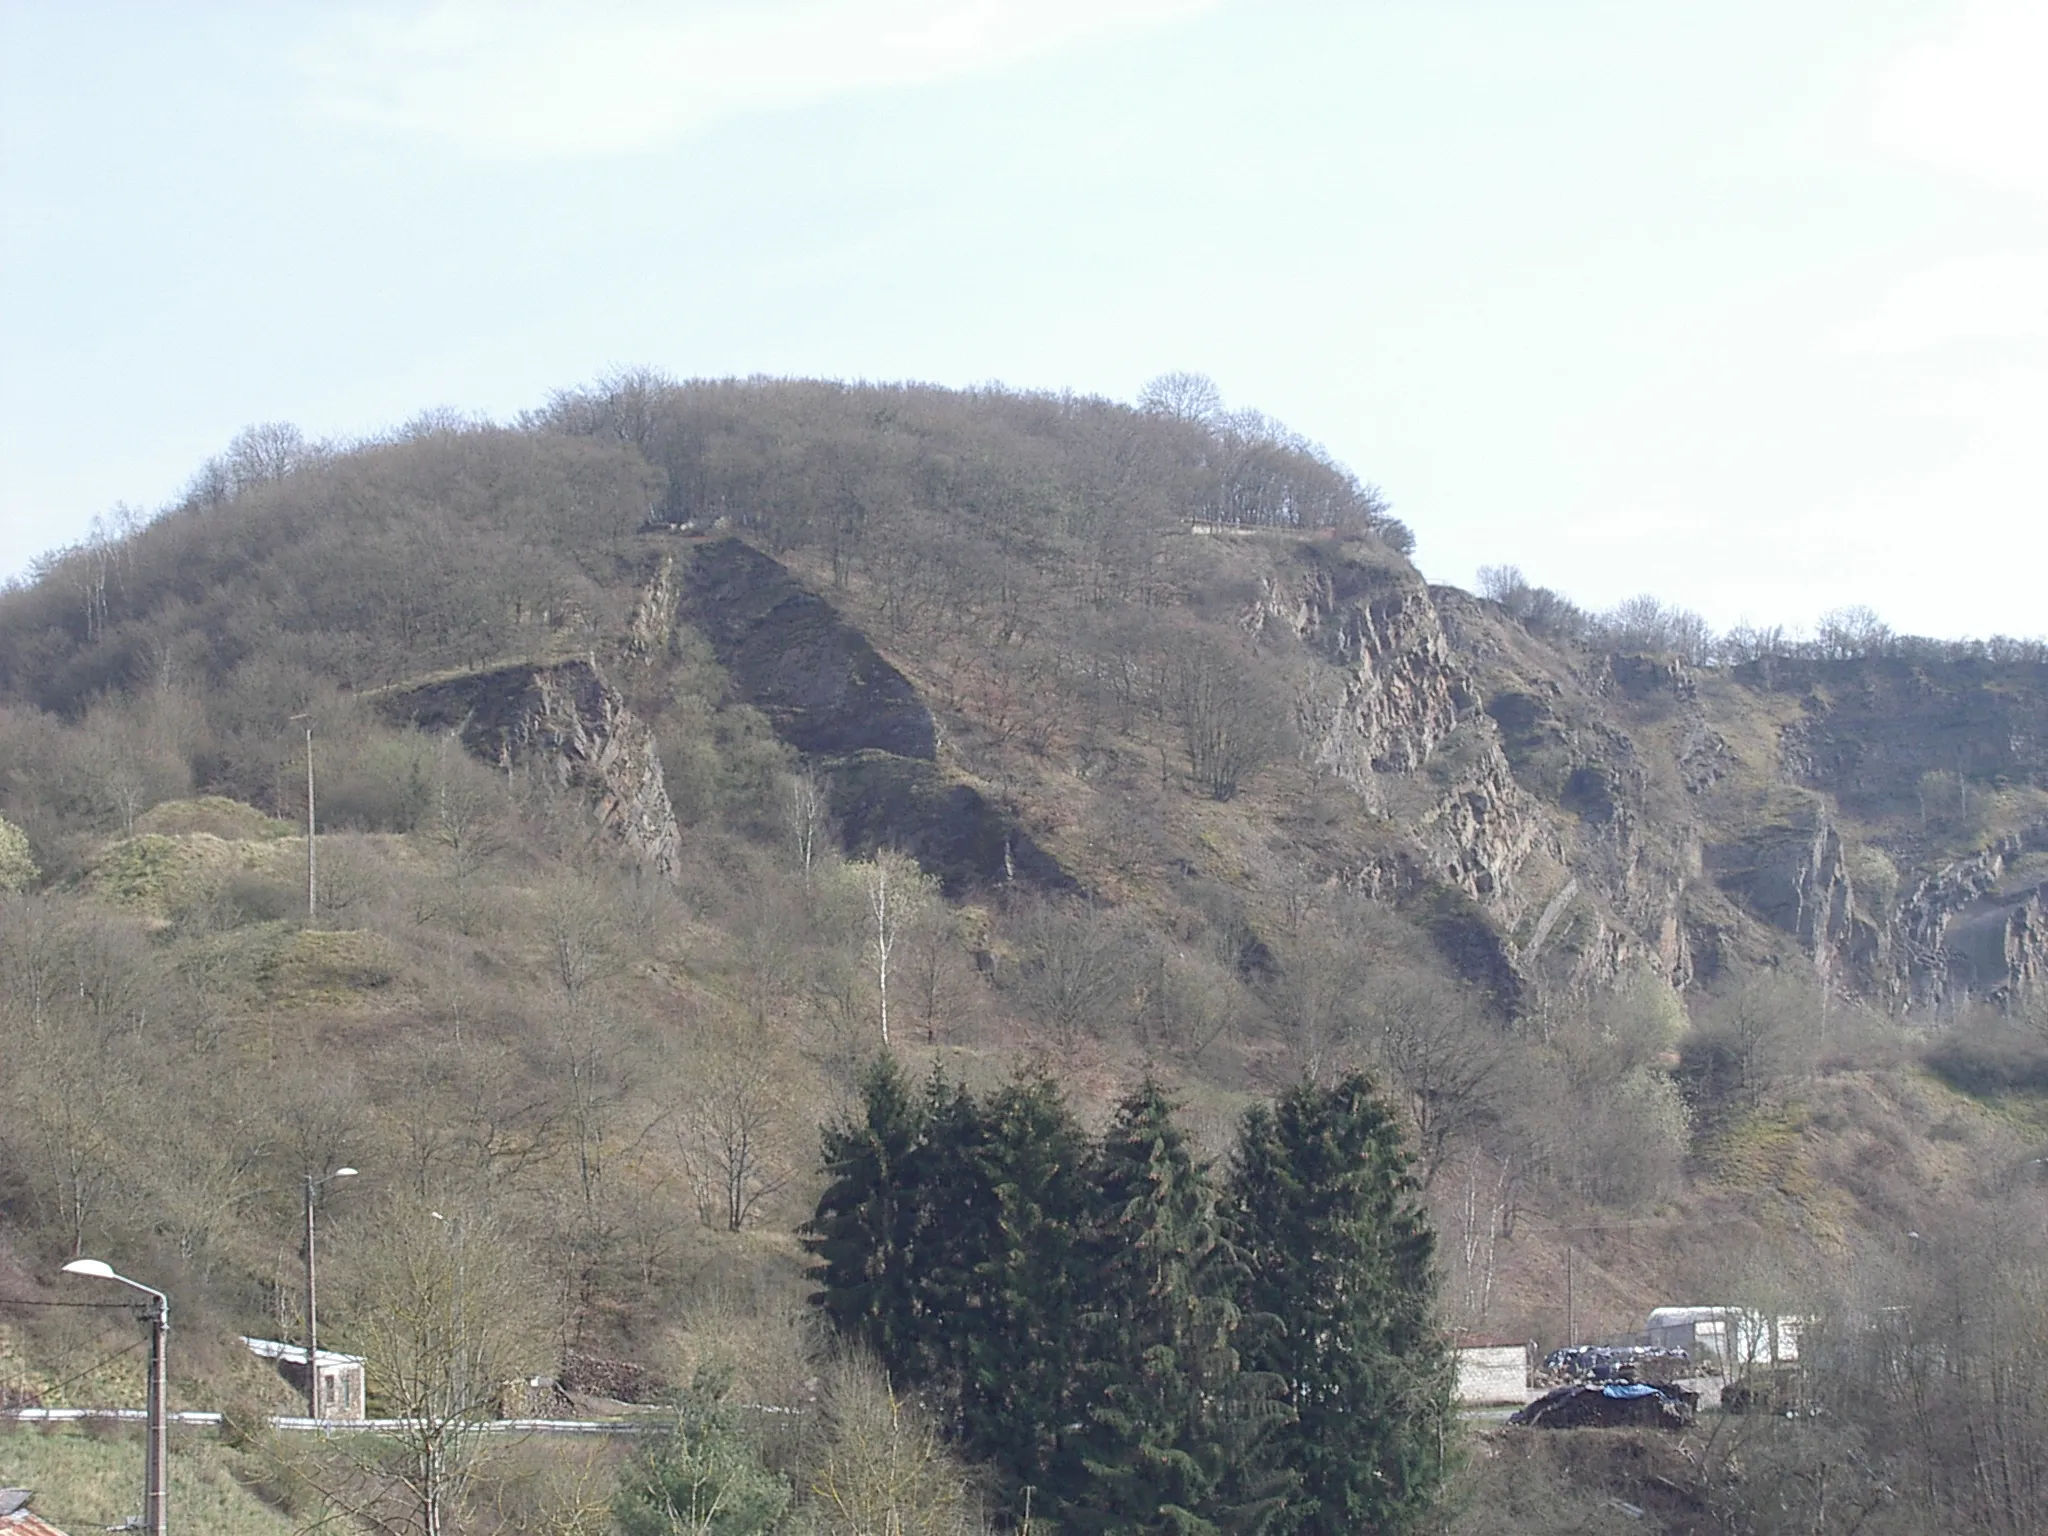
x=295, y=1354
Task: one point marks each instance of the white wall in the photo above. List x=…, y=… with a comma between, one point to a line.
x=1493, y=1374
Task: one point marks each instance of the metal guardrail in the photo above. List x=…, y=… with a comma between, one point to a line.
x=81, y=1415
x=341, y=1426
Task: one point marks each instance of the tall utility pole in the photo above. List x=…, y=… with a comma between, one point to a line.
x=156, y=1467
x=312, y=1312
x=312, y=880
x=313, y=1186
x=157, y=1487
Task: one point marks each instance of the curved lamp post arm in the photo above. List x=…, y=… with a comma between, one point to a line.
x=156, y=1460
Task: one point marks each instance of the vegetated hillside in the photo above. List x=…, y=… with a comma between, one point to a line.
x=623, y=721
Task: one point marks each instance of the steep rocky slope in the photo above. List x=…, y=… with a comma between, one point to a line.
x=565, y=724
x=1563, y=820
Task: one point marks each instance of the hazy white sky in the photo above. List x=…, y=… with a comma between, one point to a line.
x=1742, y=304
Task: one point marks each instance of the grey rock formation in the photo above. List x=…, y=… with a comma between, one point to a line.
x=1398, y=719
x=1964, y=934
x=566, y=725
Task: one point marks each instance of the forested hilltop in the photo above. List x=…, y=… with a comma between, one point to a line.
x=1110, y=775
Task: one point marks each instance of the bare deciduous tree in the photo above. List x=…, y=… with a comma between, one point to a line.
x=1481, y=1214
x=444, y=1310
x=884, y=1469
x=1073, y=970
x=898, y=895
x=1442, y=1056
x=808, y=816
x=1231, y=720
x=1182, y=396
x=734, y=1131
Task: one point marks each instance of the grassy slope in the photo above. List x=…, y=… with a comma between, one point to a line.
x=90, y=1480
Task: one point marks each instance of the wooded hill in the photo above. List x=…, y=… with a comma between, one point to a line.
x=676, y=745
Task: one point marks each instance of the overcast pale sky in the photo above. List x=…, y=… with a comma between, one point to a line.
x=1738, y=303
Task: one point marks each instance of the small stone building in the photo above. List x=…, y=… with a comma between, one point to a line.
x=342, y=1387
x=1493, y=1370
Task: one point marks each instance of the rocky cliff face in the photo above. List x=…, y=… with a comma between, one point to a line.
x=1969, y=931
x=1402, y=692
x=1794, y=876
x=1559, y=820
x=1871, y=730
x=1619, y=812
x=1960, y=934
x=1395, y=716
x=567, y=725
x=1897, y=745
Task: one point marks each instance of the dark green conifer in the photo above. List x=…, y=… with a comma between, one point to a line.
x=1018, y=1379
x=1338, y=1294
x=864, y=1232
x=1163, y=1411
x=947, y=1180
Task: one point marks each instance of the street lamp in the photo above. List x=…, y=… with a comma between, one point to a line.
x=313, y=1188
x=156, y=1460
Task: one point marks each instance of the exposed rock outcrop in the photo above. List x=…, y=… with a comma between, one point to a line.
x=1964, y=935
x=1483, y=830
x=1872, y=728
x=832, y=696
x=824, y=688
x=1557, y=821
x=652, y=625
x=1794, y=876
x=1400, y=723
x=1403, y=693
x=565, y=724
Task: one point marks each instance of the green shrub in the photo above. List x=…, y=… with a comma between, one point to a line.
x=704, y=1478
x=17, y=864
x=1997, y=1056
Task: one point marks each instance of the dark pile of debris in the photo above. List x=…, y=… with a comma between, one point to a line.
x=1615, y=1362
x=622, y=1381
x=1617, y=1405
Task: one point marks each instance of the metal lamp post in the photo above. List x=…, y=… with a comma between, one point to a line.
x=156, y=1461
x=313, y=1188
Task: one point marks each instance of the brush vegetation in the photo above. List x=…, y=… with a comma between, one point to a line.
x=1094, y=879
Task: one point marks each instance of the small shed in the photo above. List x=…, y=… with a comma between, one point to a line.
x=343, y=1391
x=17, y=1519
x=1492, y=1369
x=1740, y=1337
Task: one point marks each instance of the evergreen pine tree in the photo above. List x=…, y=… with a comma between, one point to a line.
x=1017, y=1390
x=955, y=1227
x=1338, y=1292
x=1163, y=1412
x=864, y=1232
